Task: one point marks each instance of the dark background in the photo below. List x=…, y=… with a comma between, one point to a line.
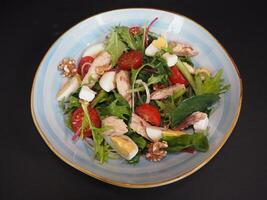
x=29, y=170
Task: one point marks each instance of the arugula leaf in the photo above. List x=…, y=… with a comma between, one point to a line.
x=118, y=107
x=211, y=85
x=101, y=97
x=121, y=100
x=115, y=46
x=70, y=105
x=126, y=37
x=198, y=141
x=101, y=149
x=166, y=107
x=151, y=80
x=156, y=79
x=118, y=110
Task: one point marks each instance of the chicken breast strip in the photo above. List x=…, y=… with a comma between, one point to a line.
x=115, y=126
x=101, y=61
x=182, y=49
x=166, y=92
x=123, y=85
x=139, y=125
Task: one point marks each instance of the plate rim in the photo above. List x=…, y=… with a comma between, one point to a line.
x=150, y=184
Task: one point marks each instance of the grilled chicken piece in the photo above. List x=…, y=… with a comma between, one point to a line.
x=139, y=125
x=191, y=120
x=123, y=85
x=101, y=62
x=166, y=92
x=182, y=49
x=116, y=126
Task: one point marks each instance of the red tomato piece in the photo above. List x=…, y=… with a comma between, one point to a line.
x=77, y=118
x=84, y=65
x=132, y=59
x=134, y=30
x=176, y=76
x=149, y=113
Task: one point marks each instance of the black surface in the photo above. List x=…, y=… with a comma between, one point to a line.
x=29, y=170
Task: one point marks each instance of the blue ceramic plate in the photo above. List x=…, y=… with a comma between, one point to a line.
x=49, y=120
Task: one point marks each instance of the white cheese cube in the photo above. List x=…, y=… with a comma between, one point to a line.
x=94, y=50
x=107, y=81
x=151, y=50
x=171, y=59
x=154, y=133
x=87, y=94
x=201, y=125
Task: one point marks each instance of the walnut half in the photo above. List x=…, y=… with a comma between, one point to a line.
x=68, y=67
x=155, y=151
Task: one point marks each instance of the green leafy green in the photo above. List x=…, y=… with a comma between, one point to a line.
x=120, y=111
x=67, y=120
x=151, y=80
x=193, y=104
x=118, y=107
x=211, y=85
x=101, y=97
x=126, y=37
x=167, y=50
x=138, y=140
x=156, y=79
x=101, y=149
x=135, y=159
x=70, y=105
x=166, y=107
x=115, y=46
x=140, y=40
x=198, y=141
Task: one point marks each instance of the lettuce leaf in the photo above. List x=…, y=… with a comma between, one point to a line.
x=126, y=37
x=115, y=46
x=211, y=85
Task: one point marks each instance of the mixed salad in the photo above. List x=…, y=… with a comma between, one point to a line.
x=139, y=94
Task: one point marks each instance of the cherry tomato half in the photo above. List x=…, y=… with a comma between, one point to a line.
x=77, y=118
x=84, y=65
x=134, y=30
x=176, y=76
x=132, y=59
x=149, y=113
